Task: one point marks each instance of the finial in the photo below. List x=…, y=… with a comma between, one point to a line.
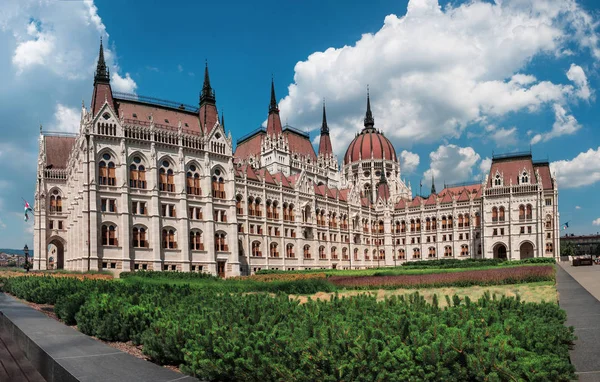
x=273, y=105
x=369, y=121
x=324, y=127
x=208, y=94
x=102, y=72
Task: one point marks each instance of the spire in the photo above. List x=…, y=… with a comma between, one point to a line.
x=369, y=121
x=324, y=127
x=102, y=73
x=273, y=105
x=208, y=94
x=222, y=118
x=432, y=184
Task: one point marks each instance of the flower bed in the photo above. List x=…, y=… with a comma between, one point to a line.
x=513, y=275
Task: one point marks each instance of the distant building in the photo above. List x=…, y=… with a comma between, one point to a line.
x=584, y=244
x=151, y=184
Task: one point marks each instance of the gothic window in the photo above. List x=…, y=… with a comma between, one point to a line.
x=431, y=252
x=334, y=255
x=433, y=224
x=381, y=229
x=447, y=251
x=322, y=254
x=464, y=250
x=218, y=184
x=196, y=240
x=467, y=222
x=461, y=221
x=412, y=225
x=55, y=202
x=418, y=225
x=168, y=238
x=344, y=253
x=256, y=249
x=167, y=177
x=497, y=180
x=501, y=216
x=366, y=254
x=428, y=224
x=529, y=212
x=193, y=180
x=137, y=173
x=416, y=253
x=521, y=212
x=401, y=254
x=524, y=177
x=220, y=242
x=355, y=254
x=139, y=239
x=109, y=235
x=239, y=208
x=289, y=251
x=307, y=251
x=444, y=222
x=548, y=221
x=273, y=252
x=367, y=191
x=477, y=219
x=106, y=171
x=450, y=222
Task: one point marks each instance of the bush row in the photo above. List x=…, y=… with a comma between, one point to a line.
x=256, y=337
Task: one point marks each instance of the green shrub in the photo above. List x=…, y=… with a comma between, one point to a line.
x=66, y=307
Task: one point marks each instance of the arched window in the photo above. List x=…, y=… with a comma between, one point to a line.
x=401, y=254
x=257, y=208
x=412, y=225
x=289, y=251
x=106, y=171
x=218, y=184
x=334, y=255
x=221, y=242
x=273, y=252
x=275, y=210
x=461, y=221
x=433, y=224
x=251, y=209
x=467, y=222
x=137, y=173
x=477, y=219
x=418, y=225
x=548, y=222
x=322, y=254
x=307, y=252
x=256, y=249
x=367, y=191
x=269, y=209
x=494, y=214
x=444, y=222
x=168, y=238
x=367, y=255
x=109, y=235
x=524, y=177
x=193, y=180
x=447, y=251
x=344, y=253
x=431, y=252
x=381, y=229
x=403, y=226
x=139, y=239
x=464, y=250
x=355, y=254
x=521, y=212
x=501, y=216
x=416, y=253
x=167, y=177
x=239, y=208
x=497, y=180
x=450, y=225
x=55, y=202
x=428, y=224
x=529, y=212
x=196, y=243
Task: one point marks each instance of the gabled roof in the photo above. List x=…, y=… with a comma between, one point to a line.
x=300, y=144
x=400, y=205
x=416, y=202
x=58, y=149
x=331, y=192
x=166, y=118
x=544, y=169
x=294, y=178
x=250, y=173
x=464, y=196
x=431, y=200
x=266, y=176
x=282, y=180
x=343, y=194
x=510, y=167
x=320, y=190
x=249, y=147
x=447, y=198
x=365, y=202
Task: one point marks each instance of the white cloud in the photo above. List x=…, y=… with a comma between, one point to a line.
x=451, y=164
x=484, y=166
x=505, y=137
x=596, y=222
x=433, y=72
x=66, y=119
x=577, y=75
x=35, y=51
x=577, y=207
x=409, y=161
x=179, y=68
x=582, y=170
x=564, y=124
x=123, y=84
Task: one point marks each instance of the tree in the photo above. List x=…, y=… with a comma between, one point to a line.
x=568, y=249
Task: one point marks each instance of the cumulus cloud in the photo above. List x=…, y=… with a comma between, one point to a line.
x=582, y=170
x=485, y=166
x=596, y=222
x=436, y=71
x=409, y=161
x=564, y=124
x=504, y=137
x=66, y=119
x=577, y=75
x=577, y=207
x=123, y=84
x=451, y=164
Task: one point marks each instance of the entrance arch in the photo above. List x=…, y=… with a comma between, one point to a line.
x=56, y=251
x=500, y=251
x=526, y=250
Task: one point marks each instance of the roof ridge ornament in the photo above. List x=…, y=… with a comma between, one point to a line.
x=208, y=94
x=273, y=108
x=102, y=74
x=369, y=121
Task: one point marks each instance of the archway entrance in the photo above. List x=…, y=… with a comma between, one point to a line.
x=56, y=255
x=526, y=250
x=500, y=251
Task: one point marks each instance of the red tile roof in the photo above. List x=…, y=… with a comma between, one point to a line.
x=249, y=147
x=101, y=92
x=383, y=191
x=282, y=180
x=294, y=178
x=511, y=168
x=266, y=175
x=344, y=194
x=370, y=142
x=464, y=196
x=400, y=205
x=57, y=150
x=325, y=145
x=274, y=124
x=447, y=197
x=365, y=202
x=208, y=112
x=545, y=174
x=300, y=144
x=431, y=200
x=319, y=190
x=416, y=202
x=162, y=117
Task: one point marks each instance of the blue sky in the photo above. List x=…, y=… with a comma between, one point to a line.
x=451, y=82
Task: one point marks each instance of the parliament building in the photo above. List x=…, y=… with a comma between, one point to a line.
x=157, y=185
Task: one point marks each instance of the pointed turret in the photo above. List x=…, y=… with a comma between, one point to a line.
x=383, y=189
x=273, y=122
x=369, y=121
x=325, y=148
x=102, y=89
x=208, y=104
x=432, y=185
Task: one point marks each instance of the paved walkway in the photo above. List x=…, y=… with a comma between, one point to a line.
x=583, y=313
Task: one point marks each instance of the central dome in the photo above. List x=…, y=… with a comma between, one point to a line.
x=370, y=143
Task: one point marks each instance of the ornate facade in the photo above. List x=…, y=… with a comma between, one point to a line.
x=150, y=184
